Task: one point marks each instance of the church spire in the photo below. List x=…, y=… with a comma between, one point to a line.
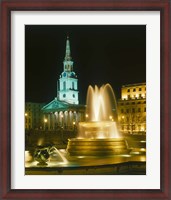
x=68, y=82
x=68, y=51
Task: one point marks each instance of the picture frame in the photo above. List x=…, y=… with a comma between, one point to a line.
x=5, y=92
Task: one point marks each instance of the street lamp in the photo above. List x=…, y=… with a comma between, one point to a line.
x=26, y=120
x=111, y=118
x=45, y=122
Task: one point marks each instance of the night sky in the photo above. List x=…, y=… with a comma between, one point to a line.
x=114, y=54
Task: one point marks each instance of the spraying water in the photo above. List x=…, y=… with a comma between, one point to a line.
x=101, y=114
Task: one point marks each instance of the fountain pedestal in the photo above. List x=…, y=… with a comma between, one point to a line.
x=97, y=147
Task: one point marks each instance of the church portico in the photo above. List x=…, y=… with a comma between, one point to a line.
x=66, y=119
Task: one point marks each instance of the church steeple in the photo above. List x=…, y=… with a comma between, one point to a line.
x=68, y=63
x=68, y=82
x=68, y=51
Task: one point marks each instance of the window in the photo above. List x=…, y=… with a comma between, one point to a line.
x=72, y=85
x=122, y=110
x=73, y=95
x=145, y=109
x=139, y=89
x=134, y=90
x=128, y=90
x=64, y=85
x=127, y=110
x=64, y=95
x=133, y=110
x=139, y=109
x=128, y=96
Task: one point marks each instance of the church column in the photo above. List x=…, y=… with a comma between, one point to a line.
x=48, y=121
x=53, y=121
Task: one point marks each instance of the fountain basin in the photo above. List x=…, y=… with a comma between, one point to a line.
x=97, y=147
x=98, y=129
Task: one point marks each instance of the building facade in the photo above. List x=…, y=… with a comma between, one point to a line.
x=64, y=111
x=33, y=116
x=132, y=109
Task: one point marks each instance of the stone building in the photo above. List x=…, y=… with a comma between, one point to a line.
x=132, y=109
x=33, y=115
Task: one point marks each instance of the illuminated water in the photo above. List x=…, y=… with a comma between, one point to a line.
x=101, y=114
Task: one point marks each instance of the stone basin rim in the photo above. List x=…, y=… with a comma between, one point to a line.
x=96, y=139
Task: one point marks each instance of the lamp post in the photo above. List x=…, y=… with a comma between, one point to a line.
x=45, y=122
x=111, y=118
x=73, y=124
x=26, y=120
x=86, y=115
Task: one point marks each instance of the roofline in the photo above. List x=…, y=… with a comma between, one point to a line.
x=134, y=84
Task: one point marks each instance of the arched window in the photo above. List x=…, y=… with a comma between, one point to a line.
x=72, y=85
x=64, y=85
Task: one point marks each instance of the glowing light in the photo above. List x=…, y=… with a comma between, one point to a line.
x=142, y=128
x=110, y=117
x=26, y=114
x=73, y=123
x=142, y=141
x=143, y=149
x=86, y=115
x=45, y=120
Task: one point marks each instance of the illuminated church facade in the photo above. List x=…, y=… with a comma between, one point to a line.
x=64, y=111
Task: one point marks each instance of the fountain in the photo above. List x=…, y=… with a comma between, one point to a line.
x=99, y=148
x=98, y=135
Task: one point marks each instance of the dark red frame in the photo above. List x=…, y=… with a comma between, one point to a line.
x=5, y=104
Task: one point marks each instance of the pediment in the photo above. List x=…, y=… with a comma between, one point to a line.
x=55, y=105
